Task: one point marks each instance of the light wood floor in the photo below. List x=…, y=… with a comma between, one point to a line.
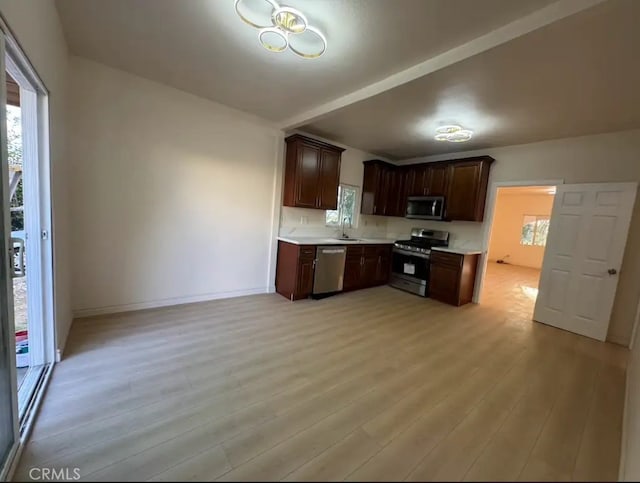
x=371, y=385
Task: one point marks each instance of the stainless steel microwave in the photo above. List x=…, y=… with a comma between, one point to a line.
x=425, y=207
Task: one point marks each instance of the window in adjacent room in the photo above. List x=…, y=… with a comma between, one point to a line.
x=534, y=230
x=346, y=211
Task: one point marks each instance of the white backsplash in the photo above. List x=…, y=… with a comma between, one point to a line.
x=309, y=222
x=462, y=234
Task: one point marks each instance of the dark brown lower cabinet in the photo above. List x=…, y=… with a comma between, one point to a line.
x=367, y=266
x=452, y=277
x=294, y=270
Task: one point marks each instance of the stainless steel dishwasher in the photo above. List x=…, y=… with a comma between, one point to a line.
x=329, y=270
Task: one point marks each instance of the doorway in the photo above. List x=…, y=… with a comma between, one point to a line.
x=517, y=241
x=29, y=219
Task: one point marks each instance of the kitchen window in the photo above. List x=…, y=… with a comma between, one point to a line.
x=534, y=230
x=347, y=196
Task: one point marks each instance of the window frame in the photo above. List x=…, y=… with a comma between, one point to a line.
x=535, y=229
x=354, y=218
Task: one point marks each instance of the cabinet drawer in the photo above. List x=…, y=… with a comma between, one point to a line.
x=354, y=252
x=442, y=258
x=307, y=251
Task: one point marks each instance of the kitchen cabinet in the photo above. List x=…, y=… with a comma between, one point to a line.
x=416, y=180
x=383, y=191
x=294, y=270
x=437, y=179
x=452, y=277
x=462, y=182
x=429, y=179
x=383, y=265
x=373, y=187
x=467, y=189
x=396, y=200
x=367, y=266
x=312, y=173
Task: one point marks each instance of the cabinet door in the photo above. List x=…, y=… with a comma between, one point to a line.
x=369, y=271
x=443, y=283
x=369, y=266
x=383, y=269
x=370, y=189
x=329, y=180
x=352, y=274
x=437, y=180
x=307, y=176
x=395, y=202
x=416, y=180
x=464, y=187
x=353, y=268
x=384, y=198
x=305, y=277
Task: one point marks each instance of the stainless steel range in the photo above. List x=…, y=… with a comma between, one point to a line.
x=411, y=259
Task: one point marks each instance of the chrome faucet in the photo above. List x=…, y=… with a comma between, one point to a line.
x=344, y=235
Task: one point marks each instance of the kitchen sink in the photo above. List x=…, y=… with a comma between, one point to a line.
x=347, y=239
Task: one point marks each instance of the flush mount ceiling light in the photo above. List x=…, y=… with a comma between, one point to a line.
x=453, y=133
x=286, y=27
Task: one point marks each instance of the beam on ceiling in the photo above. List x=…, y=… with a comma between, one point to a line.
x=538, y=19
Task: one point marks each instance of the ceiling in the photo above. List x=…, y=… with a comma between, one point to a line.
x=202, y=47
x=577, y=76
x=512, y=71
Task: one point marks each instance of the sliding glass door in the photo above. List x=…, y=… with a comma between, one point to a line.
x=8, y=391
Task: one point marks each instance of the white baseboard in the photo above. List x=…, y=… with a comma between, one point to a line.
x=616, y=339
x=116, y=309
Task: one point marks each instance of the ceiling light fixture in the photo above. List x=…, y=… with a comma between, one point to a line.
x=453, y=133
x=287, y=23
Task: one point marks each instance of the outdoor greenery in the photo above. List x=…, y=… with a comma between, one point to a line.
x=534, y=230
x=346, y=207
x=14, y=151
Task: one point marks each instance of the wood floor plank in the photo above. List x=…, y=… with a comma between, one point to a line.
x=372, y=385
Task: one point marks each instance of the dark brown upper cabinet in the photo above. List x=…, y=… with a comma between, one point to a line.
x=383, y=189
x=463, y=183
x=467, y=189
x=374, y=187
x=416, y=180
x=437, y=179
x=312, y=173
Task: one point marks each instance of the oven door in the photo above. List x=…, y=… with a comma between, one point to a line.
x=425, y=207
x=410, y=271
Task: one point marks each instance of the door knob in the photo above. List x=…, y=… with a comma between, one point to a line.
x=612, y=271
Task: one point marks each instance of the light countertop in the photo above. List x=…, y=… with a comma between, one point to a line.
x=459, y=251
x=307, y=240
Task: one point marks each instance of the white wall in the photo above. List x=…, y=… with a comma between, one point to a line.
x=507, y=227
x=172, y=195
x=613, y=157
x=310, y=222
x=36, y=26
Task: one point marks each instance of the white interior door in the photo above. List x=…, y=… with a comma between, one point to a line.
x=587, y=236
